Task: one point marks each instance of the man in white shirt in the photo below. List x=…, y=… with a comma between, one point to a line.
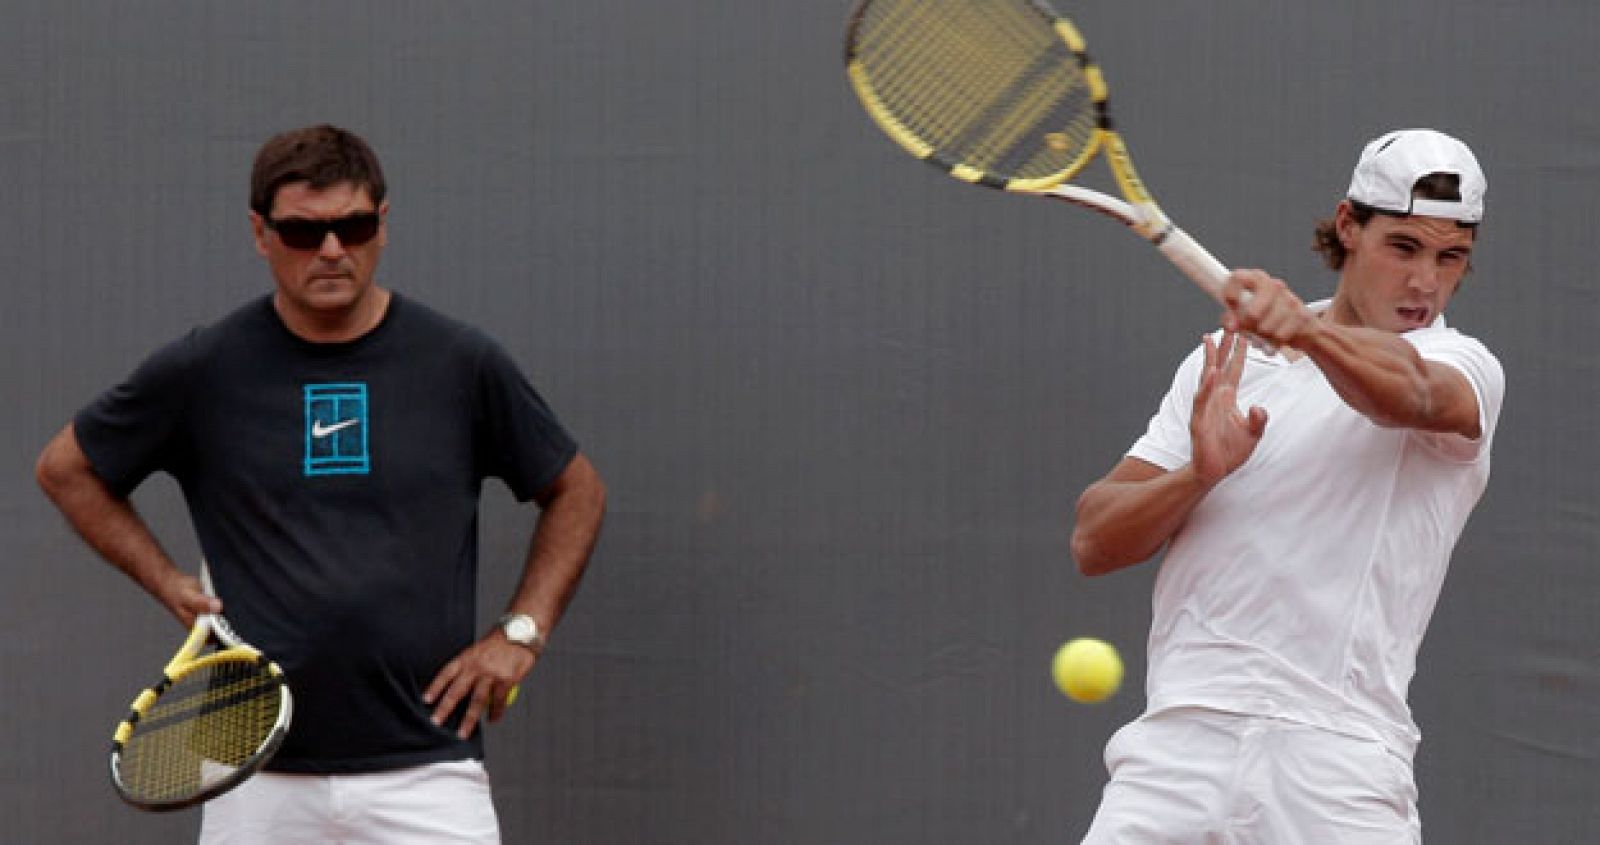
x=1308, y=500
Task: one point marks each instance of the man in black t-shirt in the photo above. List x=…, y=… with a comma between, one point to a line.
x=331, y=440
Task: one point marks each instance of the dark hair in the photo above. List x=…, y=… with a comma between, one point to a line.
x=1434, y=186
x=322, y=156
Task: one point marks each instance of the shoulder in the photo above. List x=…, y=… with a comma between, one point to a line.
x=207, y=341
x=1469, y=357
x=241, y=333
x=1445, y=339
x=419, y=320
x=243, y=325
x=451, y=343
x=1462, y=352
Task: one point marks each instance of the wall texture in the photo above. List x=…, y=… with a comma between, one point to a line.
x=844, y=405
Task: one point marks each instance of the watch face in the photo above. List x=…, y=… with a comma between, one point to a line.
x=520, y=629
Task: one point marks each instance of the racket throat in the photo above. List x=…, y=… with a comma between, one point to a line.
x=1151, y=223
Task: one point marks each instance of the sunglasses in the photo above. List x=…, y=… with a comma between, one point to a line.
x=306, y=233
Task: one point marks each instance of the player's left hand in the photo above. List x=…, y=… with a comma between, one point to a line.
x=481, y=678
x=1262, y=306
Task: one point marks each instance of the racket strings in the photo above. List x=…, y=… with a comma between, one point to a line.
x=984, y=83
x=937, y=83
x=201, y=729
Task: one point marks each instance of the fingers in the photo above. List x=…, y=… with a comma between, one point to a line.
x=497, y=702
x=441, y=684
x=199, y=600
x=1238, y=351
x=477, y=701
x=1257, y=421
x=476, y=693
x=1223, y=362
x=1264, y=307
x=478, y=684
x=1208, y=372
x=1246, y=299
x=187, y=599
x=446, y=693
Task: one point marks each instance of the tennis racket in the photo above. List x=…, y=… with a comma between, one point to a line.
x=1002, y=93
x=212, y=720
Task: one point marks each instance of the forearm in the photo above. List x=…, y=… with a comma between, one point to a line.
x=107, y=522
x=563, y=540
x=1383, y=377
x=485, y=675
x=1123, y=521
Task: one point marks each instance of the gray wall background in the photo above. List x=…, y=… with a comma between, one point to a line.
x=844, y=404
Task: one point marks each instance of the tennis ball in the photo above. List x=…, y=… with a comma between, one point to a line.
x=1087, y=669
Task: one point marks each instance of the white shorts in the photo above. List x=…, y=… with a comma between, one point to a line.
x=435, y=803
x=1201, y=776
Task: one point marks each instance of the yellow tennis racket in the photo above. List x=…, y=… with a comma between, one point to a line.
x=216, y=716
x=1002, y=93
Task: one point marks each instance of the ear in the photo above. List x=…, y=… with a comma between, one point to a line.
x=1346, y=225
x=383, y=223
x=258, y=228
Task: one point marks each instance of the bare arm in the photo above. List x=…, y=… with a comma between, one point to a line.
x=1127, y=516
x=573, y=507
x=1376, y=372
x=1130, y=514
x=114, y=529
x=1385, y=378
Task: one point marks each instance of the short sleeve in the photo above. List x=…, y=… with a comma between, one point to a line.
x=1482, y=371
x=1166, y=441
x=517, y=438
x=132, y=430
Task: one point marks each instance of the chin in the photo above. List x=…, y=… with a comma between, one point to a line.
x=323, y=295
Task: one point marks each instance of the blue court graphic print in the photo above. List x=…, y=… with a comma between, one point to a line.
x=336, y=429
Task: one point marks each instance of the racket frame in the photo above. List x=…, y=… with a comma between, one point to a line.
x=1137, y=209
x=185, y=662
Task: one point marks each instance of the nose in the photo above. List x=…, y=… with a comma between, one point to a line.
x=331, y=247
x=1425, y=278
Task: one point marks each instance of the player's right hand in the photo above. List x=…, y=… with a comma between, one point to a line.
x=1264, y=306
x=185, y=598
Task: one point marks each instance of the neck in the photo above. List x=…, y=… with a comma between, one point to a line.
x=1340, y=312
x=334, y=326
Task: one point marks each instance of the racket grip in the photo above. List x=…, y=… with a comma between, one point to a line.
x=1195, y=262
x=1205, y=270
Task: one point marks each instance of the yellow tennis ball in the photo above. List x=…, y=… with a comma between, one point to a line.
x=1087, y=670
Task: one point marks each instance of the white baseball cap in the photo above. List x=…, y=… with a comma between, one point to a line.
x=1391, y=165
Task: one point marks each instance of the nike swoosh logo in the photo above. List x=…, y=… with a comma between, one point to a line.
x=320, y=430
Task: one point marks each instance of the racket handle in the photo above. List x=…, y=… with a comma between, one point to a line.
x=1205, y=270
x=1195, y=262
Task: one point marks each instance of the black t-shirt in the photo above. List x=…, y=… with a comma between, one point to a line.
x=334, y=490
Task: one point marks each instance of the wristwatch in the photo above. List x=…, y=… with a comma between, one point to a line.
x=523, y=630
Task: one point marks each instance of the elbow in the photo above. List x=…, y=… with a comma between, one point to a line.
x=67, y=477
x=598, y=496
x=1091, y=556
x=594, y=487
x=1099, y=554
x=590, y=489
x=51, y=473
x=42, y=471
x=578, y=489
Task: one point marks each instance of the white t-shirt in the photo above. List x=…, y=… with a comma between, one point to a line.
x=1301, y=586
